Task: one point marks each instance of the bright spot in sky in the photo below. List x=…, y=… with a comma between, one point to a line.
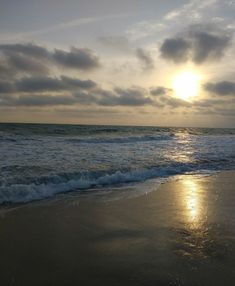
x=185, y=85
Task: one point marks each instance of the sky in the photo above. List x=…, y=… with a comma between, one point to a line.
x=132, y=62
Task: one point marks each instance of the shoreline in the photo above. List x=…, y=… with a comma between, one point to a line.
x=115, y=192
x=183, y=233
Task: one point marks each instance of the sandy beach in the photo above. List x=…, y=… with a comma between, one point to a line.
x=183, y=233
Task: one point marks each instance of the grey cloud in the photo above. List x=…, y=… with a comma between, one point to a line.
x=173, y=102
x=6, y=87
x=85, y=98
x=92, y=109
x=217, y=111
x=26, y=49
x=77, y=83
x=46, y=84
x=164, y=98
x=226, y=111
x=209, y=46
x=122, y=97
x=34, y=59
x=30, y=100
x=34, y=92
x=41, y=100
x=26, y=64
x=217, y=105
x=77, y=58
x=39, y=84
x=210, y=103
x=176, y=49
x=221, y=88
x=6, y=72
x=145, y=58
x=160, y=90
x=132, y=96
x=196, y=45
x=25, y=92
x=24, y=58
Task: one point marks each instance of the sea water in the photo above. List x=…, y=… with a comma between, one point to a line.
x=41, y=160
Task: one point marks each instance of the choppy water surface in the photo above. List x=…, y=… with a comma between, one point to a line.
x=38, y=160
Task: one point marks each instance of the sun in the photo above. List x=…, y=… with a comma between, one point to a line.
x=185, y=85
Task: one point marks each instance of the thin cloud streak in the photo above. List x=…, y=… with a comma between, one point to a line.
x=58, y=27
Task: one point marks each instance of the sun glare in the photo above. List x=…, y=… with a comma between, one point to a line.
x=185, y=85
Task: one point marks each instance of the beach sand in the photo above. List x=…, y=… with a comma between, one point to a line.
x=183, y=233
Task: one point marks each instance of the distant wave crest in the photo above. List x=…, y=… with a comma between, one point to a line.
x=124, y=139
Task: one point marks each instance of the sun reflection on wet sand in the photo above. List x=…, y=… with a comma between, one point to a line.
x=197, y=239
x=192, y=202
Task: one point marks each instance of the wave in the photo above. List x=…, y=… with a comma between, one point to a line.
x=124, y=139
x=94, y=140
x=48, y=186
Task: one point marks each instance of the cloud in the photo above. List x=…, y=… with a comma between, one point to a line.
x=5, y=71
x=40, y=100
x=68, y=91
x=173, y=102
x=163, y=97
x=83, y=59
x=145, y=58
x=28, y=49
x=35, y=91
x=209, y=103
x=46, y=84
x=196, y=45
x=221, y=88
x=220, y=106
x=176, y=49
x=209, y=46
x=77, y=83
x=6, y=87
x=37, y=60
x=160, y=90
x=87, y=93
x=133, y=96
x=39, y=84
x=23, y=58
x=225, y=112
x=25, y=64
x=192, y=10
x=62, y=26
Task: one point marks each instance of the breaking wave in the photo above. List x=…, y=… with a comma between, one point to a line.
x=46, y=187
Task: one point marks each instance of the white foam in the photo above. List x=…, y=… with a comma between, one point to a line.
x=22, y=193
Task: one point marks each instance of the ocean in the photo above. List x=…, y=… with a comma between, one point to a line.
x=39, y=161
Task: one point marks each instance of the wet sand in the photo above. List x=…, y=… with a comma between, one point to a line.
x=183, y=233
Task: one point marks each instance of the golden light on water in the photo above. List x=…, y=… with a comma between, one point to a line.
x=192, y=202
x=186, y=85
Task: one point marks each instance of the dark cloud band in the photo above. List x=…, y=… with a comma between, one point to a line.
x=45, y=84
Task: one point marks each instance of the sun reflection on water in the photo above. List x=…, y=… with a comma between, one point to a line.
x=192, y=202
